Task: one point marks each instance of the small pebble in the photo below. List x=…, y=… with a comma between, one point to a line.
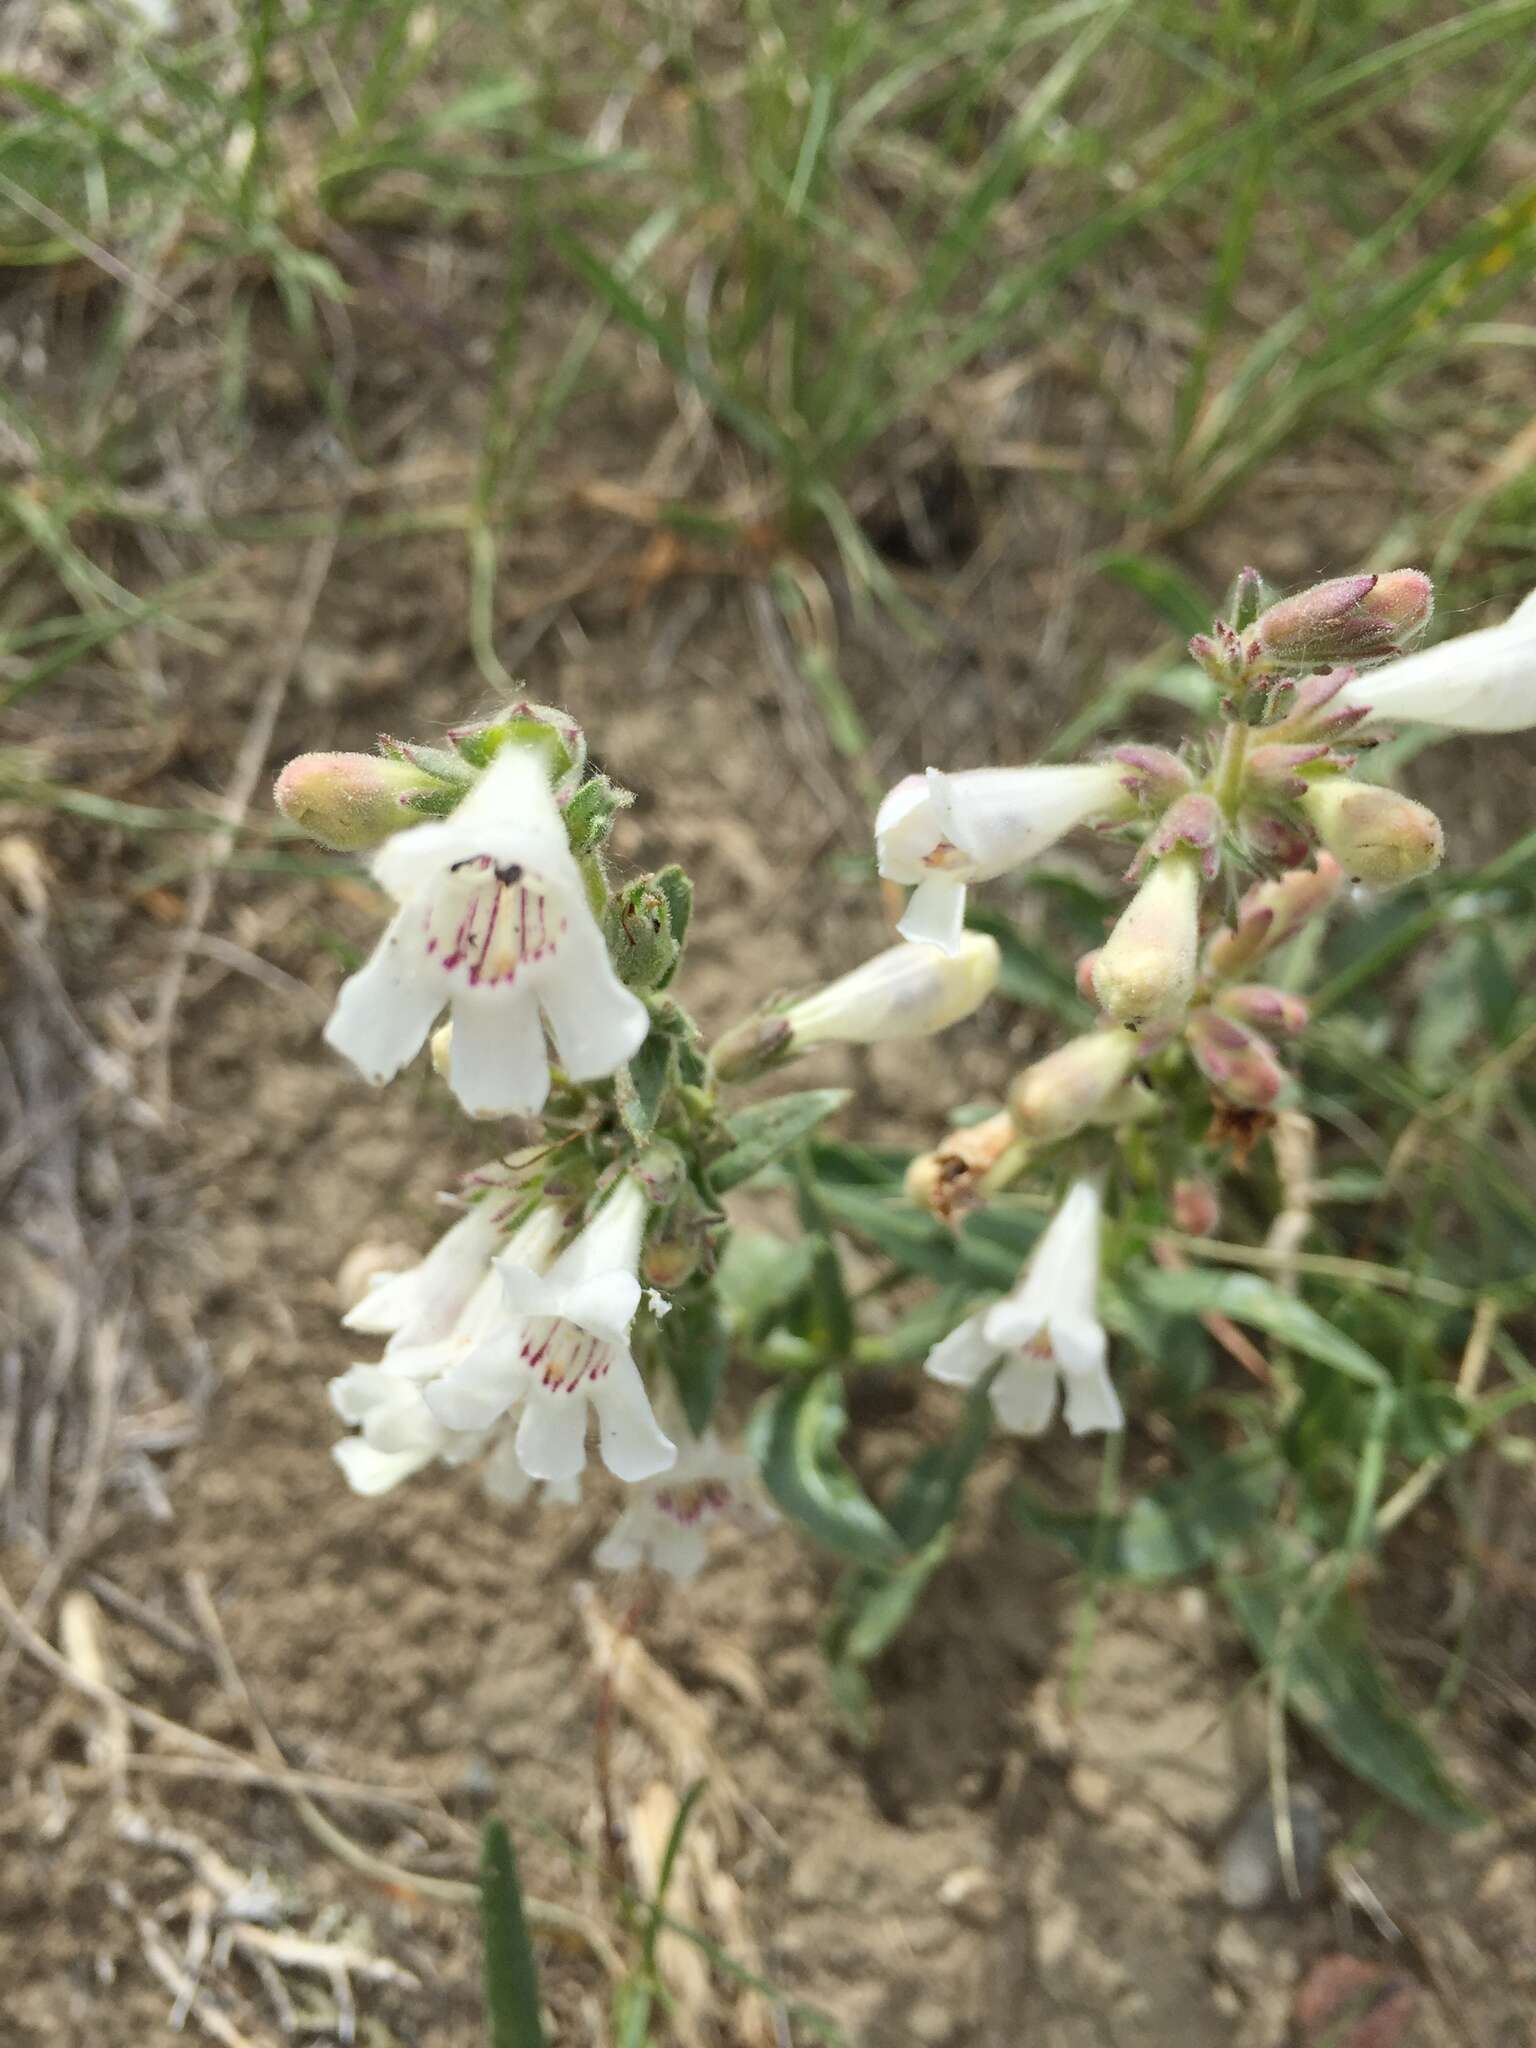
x=1252, y=1874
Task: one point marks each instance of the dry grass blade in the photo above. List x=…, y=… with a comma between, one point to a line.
x=254, y=749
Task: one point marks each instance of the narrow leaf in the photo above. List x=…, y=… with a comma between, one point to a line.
x=769, y=1129
x=794, y=1438
x=511, y=1977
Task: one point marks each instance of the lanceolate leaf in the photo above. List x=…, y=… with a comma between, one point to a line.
x=1248, y=1299
x=511, y=1978
x=769, y=1129
x=794, y=1437
x=1335, y=1684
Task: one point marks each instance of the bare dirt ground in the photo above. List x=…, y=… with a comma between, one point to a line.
x=1028, y=1851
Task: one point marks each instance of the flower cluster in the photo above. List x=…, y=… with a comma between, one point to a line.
x=530, y=1315
x=548, y=1304
x=1242, y=837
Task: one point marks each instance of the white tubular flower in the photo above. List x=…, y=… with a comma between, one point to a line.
x=941, y=831
x=397, y=1432
x=494, y=921
x=1478, y=682
x=565, y=1345
x=422, y=1304
x=1048, y=1330
x=905, y=992
x=666, y=1521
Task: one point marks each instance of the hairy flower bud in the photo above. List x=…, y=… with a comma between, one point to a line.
x=1237, y=1061
x=1271, y=771
x=642, y=938
x=1273, y=912
x=1378, y=835
x=1194, y=821
x=1153, y=773
x=1351, y=618
x=1069, y=1087
x=352, y=802
x=1271, y=1009
x=1145, y=971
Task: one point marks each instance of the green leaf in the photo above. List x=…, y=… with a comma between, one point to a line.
x=641, y=1086
x=887, y=1603
x=769, y=1129
x=511, y=1976
x=1336, y=1685
x=1028, y=973
x=1248, y=1299
x=928, y=1497
x=695, y=1343
x=1167, y=590
x=1180, y=1527
x=759, y=1275
x=678, y=890
x=794, y=1437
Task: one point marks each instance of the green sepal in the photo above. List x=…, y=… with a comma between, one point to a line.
x=591, y=811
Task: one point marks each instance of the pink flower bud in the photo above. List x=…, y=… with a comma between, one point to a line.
x=1378, y=835
x=1196, y=1208
x=1352, y=618
x=1273, y=912
x=1194, y=821
x=1271, y=770
x=352, y=802
x=1271, y=1009
x=1404, y=601
x=1320, y=707
x=1238, y=1062
x=1082, y=974
x=1067, y=1089
x=1153, y=773
x=1274, y=839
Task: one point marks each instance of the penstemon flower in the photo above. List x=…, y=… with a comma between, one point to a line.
x=397, y=1432
x=564, y=1345
x=1478, y=682
x=940, y=832
x=494, y=921
x=666, y=1521
x=422, y=1304
x=904, y=992
x=1048, y=1330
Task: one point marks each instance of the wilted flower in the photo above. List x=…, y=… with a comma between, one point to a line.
x=1144, y=973
x=564, y=1345
x=941, y=831
x=1478, y=682
x=666, y=1521
x=493, y=920
x=1047, y=1330
x=1378, y=835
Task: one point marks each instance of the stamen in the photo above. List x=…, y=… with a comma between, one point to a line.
x=499, y=918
